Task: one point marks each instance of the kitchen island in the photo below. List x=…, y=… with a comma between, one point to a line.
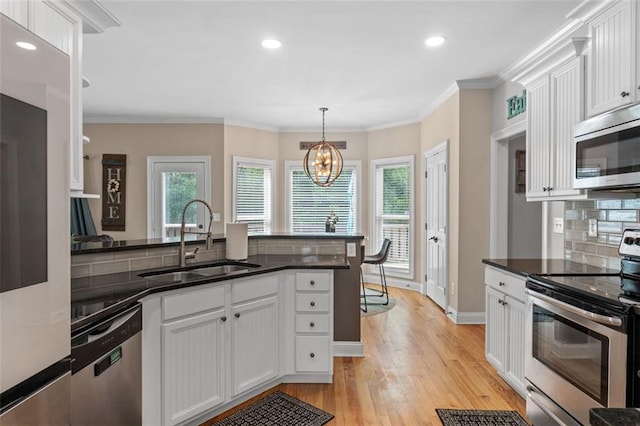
x=102, y=271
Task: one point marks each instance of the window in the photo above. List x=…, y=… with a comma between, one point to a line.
x=308, y=205
x=253, y=191
x=171, y=183
x=393, y=211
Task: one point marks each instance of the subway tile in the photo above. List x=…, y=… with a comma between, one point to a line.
x=613, y=263
x=171, y=260
x=601, y=238
x=109, y=267
x=584, y=204
x=146, y=263
x=129, y=254
x=633, y=203
x=608, y=251
x=83, y=259
x=623, y=215
x=604, y=226
x=595, y=260
x=631, y=225
x=568, y=245
x=609, y=204
x=162, y=251
x=585, y=248
x=575, y=235
x=577, y=225
x=573, y=214
x=614, y=239
x=80, y=271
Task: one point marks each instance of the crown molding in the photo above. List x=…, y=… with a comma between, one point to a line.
x=394, y=124
x=150, y=120
x=480, y=83
x=248, y=125
x=95, y=17
x=327, y=130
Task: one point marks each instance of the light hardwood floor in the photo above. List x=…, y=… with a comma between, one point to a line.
x=416, y=360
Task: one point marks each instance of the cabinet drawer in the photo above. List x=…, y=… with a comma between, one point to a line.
x=192, y=302
x=312, y=323
x=254, y=288
x=312, y=281
x=505, y=282
x=313, y=353
x=312, y=302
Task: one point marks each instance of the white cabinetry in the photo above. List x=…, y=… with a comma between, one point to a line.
x=554, y=105
x=505, y=326
x=611, y=79
x=254, y=333
x=313, y=323
x=207, y=348
x=192, y=353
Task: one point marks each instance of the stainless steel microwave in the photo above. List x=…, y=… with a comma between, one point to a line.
x=607, y=150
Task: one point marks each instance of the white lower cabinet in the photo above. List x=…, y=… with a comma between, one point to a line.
x=207, y=348
x=505, y=326
x=254, y=337
x=192, y=365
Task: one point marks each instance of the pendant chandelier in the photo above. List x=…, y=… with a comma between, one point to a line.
x=323, y=162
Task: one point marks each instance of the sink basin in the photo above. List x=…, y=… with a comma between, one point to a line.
x=195, y=273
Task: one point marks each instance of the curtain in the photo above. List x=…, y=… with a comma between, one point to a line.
x=81, y=220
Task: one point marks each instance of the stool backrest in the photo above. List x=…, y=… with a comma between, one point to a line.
x=384, y=250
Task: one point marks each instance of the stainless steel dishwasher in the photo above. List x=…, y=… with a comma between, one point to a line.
x=106, y=380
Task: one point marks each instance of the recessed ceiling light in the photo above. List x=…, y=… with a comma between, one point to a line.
x=271, y=43
x=434, y=41
x=26, y=45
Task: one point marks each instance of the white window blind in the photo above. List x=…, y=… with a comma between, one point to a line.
x=393, y=209
x=309, y=204
x=253, y=194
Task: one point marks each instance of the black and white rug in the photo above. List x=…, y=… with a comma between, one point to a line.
x=375, y=303
x=277, y=409
x=479, y=417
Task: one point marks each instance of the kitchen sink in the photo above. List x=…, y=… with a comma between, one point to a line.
x=195, y=273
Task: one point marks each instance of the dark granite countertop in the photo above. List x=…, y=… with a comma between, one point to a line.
x=614, y=416
x=95, y=297
x=527, y=267
x=109, y=246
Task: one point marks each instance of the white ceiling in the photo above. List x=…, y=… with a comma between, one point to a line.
x=366, y=61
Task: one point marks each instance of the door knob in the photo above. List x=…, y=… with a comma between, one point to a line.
x=434, y=238
x=624, y=94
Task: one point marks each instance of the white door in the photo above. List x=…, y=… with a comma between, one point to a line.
x=172, y=182
x=436, y=208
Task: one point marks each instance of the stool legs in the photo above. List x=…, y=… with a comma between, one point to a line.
x=364, y=294
x=383, y=283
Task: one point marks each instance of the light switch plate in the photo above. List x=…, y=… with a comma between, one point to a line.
x=351, y=249
x=558, y=225
x=593, y=227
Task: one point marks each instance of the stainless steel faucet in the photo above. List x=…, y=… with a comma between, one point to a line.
x=192, y=254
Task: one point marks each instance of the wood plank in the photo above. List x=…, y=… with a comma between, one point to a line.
x=416, y=360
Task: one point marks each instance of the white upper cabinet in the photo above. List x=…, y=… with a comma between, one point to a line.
x=554, y=105
x=611, y=78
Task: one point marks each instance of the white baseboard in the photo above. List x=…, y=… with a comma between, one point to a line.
x=394, y=282
x=348, y=349
x=465, y=317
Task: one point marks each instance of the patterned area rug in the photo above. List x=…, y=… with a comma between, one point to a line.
x=479, y=417
x=375, y=303
x=277, y=409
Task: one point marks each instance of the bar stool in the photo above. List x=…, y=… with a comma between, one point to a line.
x=377, y=259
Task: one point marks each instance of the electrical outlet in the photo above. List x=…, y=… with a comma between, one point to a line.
x=215, y=217
x=558, y=225
x=351, y=249
x=593, y=227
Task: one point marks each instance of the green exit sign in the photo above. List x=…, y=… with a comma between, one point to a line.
x=516, y=105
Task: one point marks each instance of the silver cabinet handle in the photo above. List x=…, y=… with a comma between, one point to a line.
x=602, y=319
x=501, y=284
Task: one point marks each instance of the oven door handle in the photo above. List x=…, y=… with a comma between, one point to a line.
x=539, y=400
x=602, y=319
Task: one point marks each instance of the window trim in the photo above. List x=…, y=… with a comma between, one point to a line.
x=260, y=162
x=291, y=165
x=153, y=160
x=384, y=162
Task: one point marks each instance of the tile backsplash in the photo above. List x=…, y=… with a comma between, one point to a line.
x=613, y=216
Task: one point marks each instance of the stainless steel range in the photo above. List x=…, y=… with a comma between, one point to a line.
x=582, y=333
